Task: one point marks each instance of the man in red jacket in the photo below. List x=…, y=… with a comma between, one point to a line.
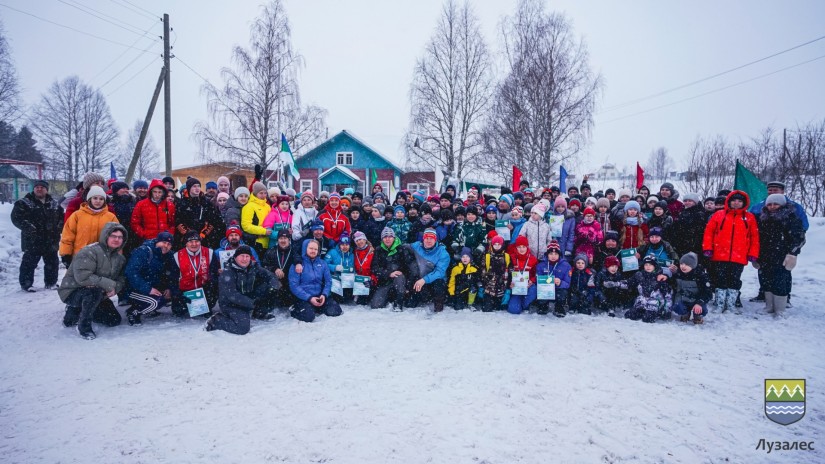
x=154, y=214
x=193, y=261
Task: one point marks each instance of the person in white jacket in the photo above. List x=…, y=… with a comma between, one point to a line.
x=304, y=214
x=537, y=231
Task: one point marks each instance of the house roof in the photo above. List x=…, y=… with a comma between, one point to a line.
x=343, y=170
x=9, y=172
x=353, y=137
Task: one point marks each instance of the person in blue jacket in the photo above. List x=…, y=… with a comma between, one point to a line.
x=148, y=281
x=432, y=260
x=340, y=260
x=560, y=270
x=568, y=230
x=312, y=285
x=776, y=187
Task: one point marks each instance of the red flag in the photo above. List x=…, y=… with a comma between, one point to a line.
x=516, y=178
x=640, y=176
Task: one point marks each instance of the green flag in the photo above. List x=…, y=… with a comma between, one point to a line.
x=374, y=178
x=747, y=182
x=287, y=158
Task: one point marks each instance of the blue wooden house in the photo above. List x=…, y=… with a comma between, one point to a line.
x=344, y=161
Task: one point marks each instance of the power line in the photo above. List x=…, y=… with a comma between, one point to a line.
x=102, y=16
x=150, y=63
x=117, y=58
x=137, y=11
x=715, y=90
x=190, y=68
x=72, y=29
x=121, y=71
x=632, y=102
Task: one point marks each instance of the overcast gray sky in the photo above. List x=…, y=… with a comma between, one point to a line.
x=359, y=56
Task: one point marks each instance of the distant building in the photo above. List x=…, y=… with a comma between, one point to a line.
x=239, y=175
x=14, y=184
x=608, y=172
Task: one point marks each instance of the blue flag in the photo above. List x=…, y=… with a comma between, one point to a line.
x=563, y=180
x=112, y=171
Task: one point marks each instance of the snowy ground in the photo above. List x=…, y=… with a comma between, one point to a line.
x=376, y=386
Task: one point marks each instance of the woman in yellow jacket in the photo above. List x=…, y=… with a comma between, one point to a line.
x=253, y=215
x=84, y=225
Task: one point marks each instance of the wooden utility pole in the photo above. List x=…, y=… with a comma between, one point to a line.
x=167, y=95
x=143, y=130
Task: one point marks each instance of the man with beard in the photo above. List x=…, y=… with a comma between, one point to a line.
x=192, y=272
x=141, y=189
x=278, y=260
x=40, y=220
x=195, y=213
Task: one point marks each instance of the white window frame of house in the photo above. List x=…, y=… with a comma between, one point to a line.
x=304, y=188
x=385, y=187
x=342, y=156
x=412, y=187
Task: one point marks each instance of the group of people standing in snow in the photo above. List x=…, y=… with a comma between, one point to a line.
x=236, y=255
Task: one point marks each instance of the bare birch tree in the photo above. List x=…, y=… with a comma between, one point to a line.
x=10, y=107
x=659, y=164
x=710, y=164
x=804, y=166
x=73, y=123
x=542, y=112
x=450, y=94
x=260, y=99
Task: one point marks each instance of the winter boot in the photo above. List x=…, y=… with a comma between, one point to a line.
x=697, y=319
x=779, y=305
x=759, y=297
x=768, y=297
x=438, y=305
x=611, y=312
x=738, y=303
x=133, y=316
x=71, y=317
x=398, y=306
x=85, y=331
x=685, y=317
x=560, y=313
x=649, y=317
x=721, y=299
x=664, y=314
x=732, y=299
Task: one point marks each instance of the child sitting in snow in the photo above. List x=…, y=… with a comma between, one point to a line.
x=561, y=271
x=654, y=294
x=692, y=290
x=581, y=286
x=609, y=294
x=463, y=283
x=609, y=248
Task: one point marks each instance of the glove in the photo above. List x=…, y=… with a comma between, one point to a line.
x=567, y=254
x=186, y=299
x=339, y=268
x=755, y=265
x=182, y=229
x=67, y=260
x=790, y=262
x=609, y=284
x=708, y=253
x=207, y=230
x=752, y=259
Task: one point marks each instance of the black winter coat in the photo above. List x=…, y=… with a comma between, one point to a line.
x=40, y=222
x=399, y=258
x=238, y=286
x=602, y=252
x=692, y=287
x=687, y=234
x=372, y=229
x=195, y=214
x=123, y=206
x=780, y=233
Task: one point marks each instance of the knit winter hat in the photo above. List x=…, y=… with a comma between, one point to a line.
x=344, y=239
x=553, y=246
x=191, y=235
x=284, y=233
x=560, y=201
x=609, y=191
x=655, y=231
x=737, y=196
x=397, y=209
x=346, y=201
x=222, y=195
x=632, y=204
x=581, y=257
x=281, y=199
x=243, y=250
x=387, y=232
x=466, y=252
x=168, y=180
x=429, y=232
x=380, y=207
x=258, y=187
x=307, y=193
x=612, y=261
x=666, y=185
x=212, y=185
x=223, y=179
x=690, y=260
x=517, y=208
x=447, y=214
x=140, y=184
x=497, y=239
x=507, y=198
x=611, y=235
x=603, y=202
x=191, y=182
x=334, y=195
x=92, y=178
x=233, y=229
x=241, y=191
x=575, y=202
x=323, y=194
x=358, y=235
x=590, y=211
x=118, y=185
x=693, y=197
x=776, y=184
x=316, y=225
x=776, y=198
x=490, y=209
x=591, y=201
x=652, y=198
x=625, y=193
x=650, y=259
x=273, y=191
x=349, y=191
x=290, y=192
x=540, y=209
x=95, y=191
x=164, y=237
x=521, y=240
x=42, y=183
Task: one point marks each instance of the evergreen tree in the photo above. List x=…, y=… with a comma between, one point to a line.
x=7, y=140
x=25, y=148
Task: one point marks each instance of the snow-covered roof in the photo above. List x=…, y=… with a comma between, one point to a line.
x=344, y=170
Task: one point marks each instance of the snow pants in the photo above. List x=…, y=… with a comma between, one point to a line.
x=232, y=319
x=382, y=293
x=728, y=275
x=580, y=302
x=557, y=304
x=90, y=304
x=519, y=303
x=681, y=309
x=29, y=263
x=305, y=311
x=435, y=291
x=776, y=279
